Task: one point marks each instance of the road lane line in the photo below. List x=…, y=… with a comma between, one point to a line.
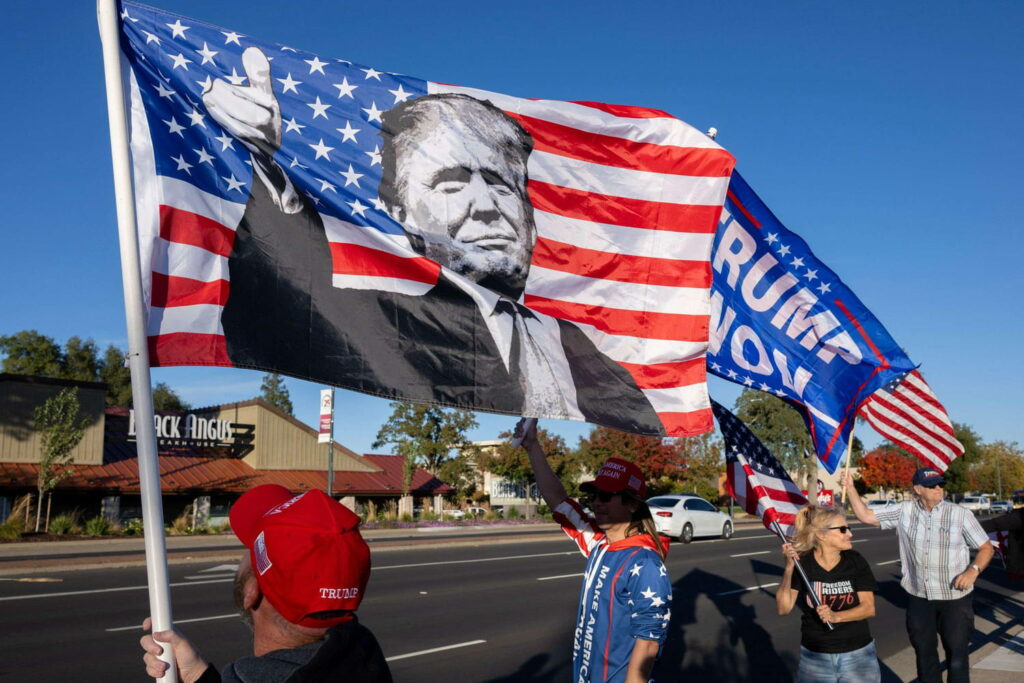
x=106, y=590
x=435, y=649
x=759, y=552
x=750, y=588
x=176, y=622
x=479, y=559
x=209, y=576
x=879, y=564
x=560, y=576
x=860, y=540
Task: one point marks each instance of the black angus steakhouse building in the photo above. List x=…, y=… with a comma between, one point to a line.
x=207, y=458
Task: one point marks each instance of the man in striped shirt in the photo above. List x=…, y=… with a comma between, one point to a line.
x=935, y=539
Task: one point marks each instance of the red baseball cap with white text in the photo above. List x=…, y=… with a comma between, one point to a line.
x=617, y=475
x=306, y=550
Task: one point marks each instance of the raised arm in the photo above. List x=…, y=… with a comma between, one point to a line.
x=861, y=510
x=548, y=483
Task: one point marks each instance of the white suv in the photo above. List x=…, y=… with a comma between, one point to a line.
x=976, y=503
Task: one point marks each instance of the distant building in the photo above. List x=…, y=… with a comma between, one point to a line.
x=207, y=458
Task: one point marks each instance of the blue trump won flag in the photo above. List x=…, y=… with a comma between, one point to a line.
x=784, y=323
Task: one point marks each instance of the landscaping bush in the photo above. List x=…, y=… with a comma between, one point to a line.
x=98, y=526
x=132, y=527
x=406, y=518
x=66, y=523
x=513, y=513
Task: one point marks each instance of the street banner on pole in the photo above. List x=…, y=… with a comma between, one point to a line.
x=420, y=241
x=326, y=416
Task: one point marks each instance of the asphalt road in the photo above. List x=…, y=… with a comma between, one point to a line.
x=483, y=613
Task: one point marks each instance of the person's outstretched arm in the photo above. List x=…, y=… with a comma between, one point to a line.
x=861, y=510
x=548, y=483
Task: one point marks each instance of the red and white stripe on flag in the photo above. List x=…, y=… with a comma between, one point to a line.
x=770, y=498
x=912, y=417
x=626, y=201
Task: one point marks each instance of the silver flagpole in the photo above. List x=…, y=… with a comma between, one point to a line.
x=135, y=315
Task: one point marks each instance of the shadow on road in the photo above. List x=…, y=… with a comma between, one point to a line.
x=742, y=650
x=533, y=671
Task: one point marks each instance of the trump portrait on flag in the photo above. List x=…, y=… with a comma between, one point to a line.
x=454, y=176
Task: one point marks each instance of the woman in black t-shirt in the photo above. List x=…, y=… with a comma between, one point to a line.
x=843, y=581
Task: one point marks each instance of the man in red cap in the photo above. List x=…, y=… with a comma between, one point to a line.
x=298, y=588
x=626, y=598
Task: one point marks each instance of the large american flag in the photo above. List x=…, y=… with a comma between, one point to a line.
x=757, y=481
x=626, y=201
x=908, y=413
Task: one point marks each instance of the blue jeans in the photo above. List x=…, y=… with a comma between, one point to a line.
x=856, y=666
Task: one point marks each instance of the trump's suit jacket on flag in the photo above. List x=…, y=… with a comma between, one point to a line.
x=419, y=241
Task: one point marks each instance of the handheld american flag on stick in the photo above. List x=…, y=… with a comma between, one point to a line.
x=418, y=240
x=908, y=413
x=757, y=480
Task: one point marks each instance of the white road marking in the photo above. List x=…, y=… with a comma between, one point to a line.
x=106, y=590
x=886, y=562
x=560, y=576
x=176, y=622
x=750, y=588
x=221, y=568
x=209, y=576
x=759, y=552
x=479, y=559
x=435, y=649
x=860, y=540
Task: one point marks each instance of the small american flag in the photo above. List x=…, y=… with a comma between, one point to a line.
x=910, y=415
x=756, y=479
x=626, y=202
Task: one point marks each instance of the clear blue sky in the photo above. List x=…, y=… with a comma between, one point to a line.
x=886, y=134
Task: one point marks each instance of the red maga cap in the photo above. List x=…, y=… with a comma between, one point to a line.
x=618, y=475
x=306, y=551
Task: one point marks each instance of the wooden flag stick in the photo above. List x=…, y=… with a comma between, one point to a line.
x=849, y=456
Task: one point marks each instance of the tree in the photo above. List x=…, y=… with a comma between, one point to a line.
x=117, y=377
x=30, y=353
x=887, y=468
x=460, y=473
x=1000, y=468
x=60, y=430
x=80, y=360
x=783, y=432
x=425, y=435
x=512, y=463
x=274, y=392
x=703, y=465
x=164, y=398
x=958, y=477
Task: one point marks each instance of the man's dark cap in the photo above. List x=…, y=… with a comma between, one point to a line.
x=928, y=476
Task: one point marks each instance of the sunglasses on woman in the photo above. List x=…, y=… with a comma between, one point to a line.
x=603, y=496
x=842, y=529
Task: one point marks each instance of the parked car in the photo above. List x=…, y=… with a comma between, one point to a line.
x=880, y=504
x=468, y=512
x=976, y=504
x=1001, y=507
x=684, y=517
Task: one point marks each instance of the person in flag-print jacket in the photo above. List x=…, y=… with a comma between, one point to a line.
x=624, y=610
